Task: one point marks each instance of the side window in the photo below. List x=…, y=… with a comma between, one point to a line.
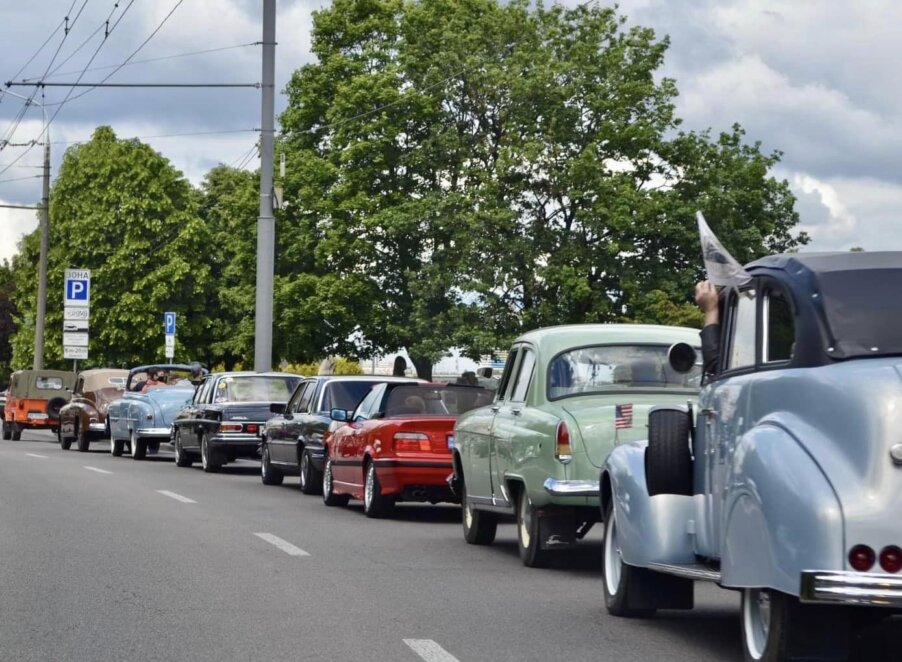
x=79, y=386
x=203, y=391
x=306, y=397
x=506, y=375
x=742, y=330
x=779, y=327
x=524, y=376
x=368, y=404
x=295, y=397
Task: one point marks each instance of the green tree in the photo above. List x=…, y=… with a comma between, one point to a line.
x=121, y=210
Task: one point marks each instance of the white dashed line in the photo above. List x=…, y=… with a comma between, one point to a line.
x=284, y=545
x=177, y=497
x=430, y=651
x=36, y=455
x=100, y=471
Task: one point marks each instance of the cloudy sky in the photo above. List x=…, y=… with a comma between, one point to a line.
x=816, y=79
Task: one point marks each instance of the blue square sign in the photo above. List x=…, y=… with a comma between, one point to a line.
x=77, y=287
x=169, y=323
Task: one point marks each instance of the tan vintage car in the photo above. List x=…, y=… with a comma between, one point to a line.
x=84, y=418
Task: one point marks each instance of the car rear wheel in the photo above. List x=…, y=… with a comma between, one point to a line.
x=620, y=577
x=268, y=473
x=182, y=459
x=64, y=442
x=16, y=432
x=311, y=479
x=7, y=431
x=531, y=552
x=209, y=459
x=668, y=459
x=117, y=446
x=479, y=526
x=375, y=504
x=81, y=439
x=329, y=497
x=138, y=446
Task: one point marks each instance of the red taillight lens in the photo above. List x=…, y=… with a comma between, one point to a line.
x=891, y=559
x=562, y=444
x=251, y=428
x=230, y=427
x=411, y=441
x=861, y=558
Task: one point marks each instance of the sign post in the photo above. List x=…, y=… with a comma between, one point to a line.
x=169, y=330
x=76, y=313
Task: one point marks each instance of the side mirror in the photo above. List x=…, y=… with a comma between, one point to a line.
x=682, y=357
x=339, y=415
x=485, y=373
x=277, y=407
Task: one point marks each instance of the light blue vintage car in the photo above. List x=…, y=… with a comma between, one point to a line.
x=786, y=484
x=144, y=420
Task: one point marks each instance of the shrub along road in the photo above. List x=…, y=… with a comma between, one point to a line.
x=108, y=558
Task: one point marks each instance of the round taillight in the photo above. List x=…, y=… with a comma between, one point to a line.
x=861, y=558
x=891, y=559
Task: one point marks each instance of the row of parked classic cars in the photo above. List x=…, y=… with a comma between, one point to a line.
x=778, y=473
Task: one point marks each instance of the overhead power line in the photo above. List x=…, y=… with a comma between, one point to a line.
x=10, y=83
x=20, y=179
x=163, y=135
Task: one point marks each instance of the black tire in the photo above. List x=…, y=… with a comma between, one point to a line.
x=268, y=473
x=480, y=526
x=138, y=446
x=791, y=630
x=375, y=504
x=621, y=581
x=54, y=405
x=7, y=431
x=311, y=479
x=82, y=441
x=117, y=447
x=107, y=432
x=209, y=459
x=668, y=459
x=16, y=432
x=528, y=540
x=65, y=442
x=182, y=458
x=329, y=497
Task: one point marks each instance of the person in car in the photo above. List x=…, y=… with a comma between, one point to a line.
x=708, y=300
x=154, y=379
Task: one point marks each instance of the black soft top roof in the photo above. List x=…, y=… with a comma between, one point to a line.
x=856, y=295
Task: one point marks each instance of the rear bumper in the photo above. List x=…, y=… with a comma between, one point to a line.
x=237, y=444
x=147, y=433
x=851, y=588
x=571, y=488
x=409, y=476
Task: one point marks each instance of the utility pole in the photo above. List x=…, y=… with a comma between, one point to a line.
x=42, y=266
x=266, y=223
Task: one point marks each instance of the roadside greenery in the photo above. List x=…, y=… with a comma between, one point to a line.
x=459, y=171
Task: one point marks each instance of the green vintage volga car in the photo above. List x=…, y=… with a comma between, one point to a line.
x=567, y=395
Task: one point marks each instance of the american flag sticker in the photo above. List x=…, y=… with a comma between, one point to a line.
x=623, y=416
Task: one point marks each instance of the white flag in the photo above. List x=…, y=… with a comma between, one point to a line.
x=723, y=269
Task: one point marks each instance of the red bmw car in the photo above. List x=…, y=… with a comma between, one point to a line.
x=396, y=446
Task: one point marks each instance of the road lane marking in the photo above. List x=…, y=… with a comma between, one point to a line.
x=100, y=471
x=36, y=455
x=177, y=497
x=430, y=651
x=284, y=545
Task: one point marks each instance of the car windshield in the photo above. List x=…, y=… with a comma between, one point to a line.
x=614, y=367
x=445, y=400
x=255, y=389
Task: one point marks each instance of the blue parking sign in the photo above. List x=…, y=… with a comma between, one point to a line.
x=169, y=323
x=77, y=287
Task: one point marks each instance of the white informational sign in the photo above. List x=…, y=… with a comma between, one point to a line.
x=75, y=352
x=77, y=287
x=75, y=339
x=170, y=345
x=76, y=325
x=70, y=313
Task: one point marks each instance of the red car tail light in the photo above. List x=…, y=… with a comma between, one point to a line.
x=861, y=558
x=891, y=559
x=251, y=428
x=562, y=451
x=230, y=427
x=411, y=441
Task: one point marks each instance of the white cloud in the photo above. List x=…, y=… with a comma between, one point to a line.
x=14, y=223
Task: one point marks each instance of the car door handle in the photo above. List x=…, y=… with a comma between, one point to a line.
x=516, y=411
x=710, y=413
x=495, y=408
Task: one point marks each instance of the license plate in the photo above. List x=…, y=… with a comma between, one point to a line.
x=450, y=441
x=38, y=416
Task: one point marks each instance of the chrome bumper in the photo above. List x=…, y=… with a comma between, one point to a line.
x=152, y=432
x=97, y=427
x=851, y=588
x=575, y=488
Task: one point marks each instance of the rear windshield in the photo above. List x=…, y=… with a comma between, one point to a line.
x=345, y=395
x=49, y=383
x=613, y=367
x=255, y=389
x=436, y=400
x=864, y=318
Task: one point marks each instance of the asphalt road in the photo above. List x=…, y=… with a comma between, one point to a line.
x=105, y=558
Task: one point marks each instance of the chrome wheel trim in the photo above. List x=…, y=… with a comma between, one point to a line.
x=305, y=461
x=756, y=621
x=370, y=487
x=613, y=557
x=327, y=478
x=133, y=442
x=524, y=520
x=264, y=463
x=178, y=447
x=468, y=514
x=204, y=453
